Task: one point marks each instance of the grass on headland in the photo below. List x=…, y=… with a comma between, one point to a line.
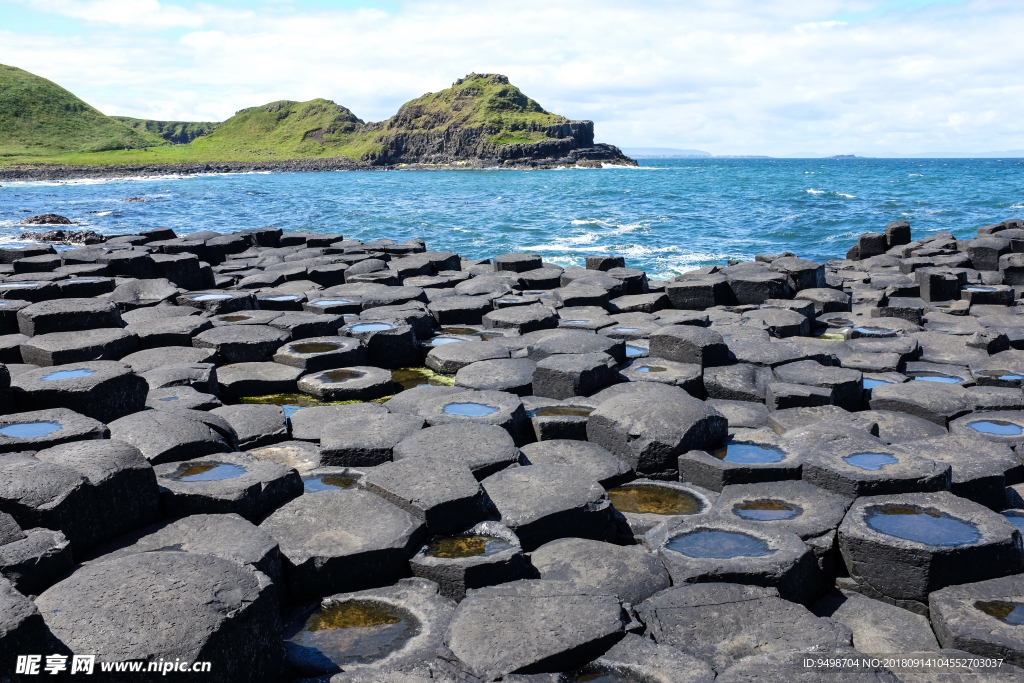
x=68, y=131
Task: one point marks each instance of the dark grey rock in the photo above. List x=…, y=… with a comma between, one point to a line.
x=455, y=572
x=67, y=315
x=440, y=491
x=62, y=348
x=357, y=383
x=416, y=600
x=238, y=380
x=783, y=561
x=652, y=437
x=243, y=485
x=150, y=359
x=878, y=627
x=360, y=439
x=256, y=425
x=165, y=436
x=242, y=343
x=689, y=344
x=450, y=358
x=322, y=353
x=975, y=618
x=308, y=424
x=207, y=609
x=566, y=375
x=750, y=621
x=506, y=629
x=713, y=468
x=587, y=458
x=541, y=503
x=629, y=572
x=37, y=561
x=514, y=375
x=908, y=570
x=44, y=428
x=342, y=540
x=227, y=536
x=740, y=382
x=103, y=390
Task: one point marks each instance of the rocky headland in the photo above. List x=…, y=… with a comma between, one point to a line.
x=301, y=457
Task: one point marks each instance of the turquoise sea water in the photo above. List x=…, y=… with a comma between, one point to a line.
x=666, y=217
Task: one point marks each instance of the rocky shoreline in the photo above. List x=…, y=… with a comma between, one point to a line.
x=298, y=457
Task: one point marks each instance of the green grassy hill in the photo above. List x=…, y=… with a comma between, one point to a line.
x=485, y=101
x=40, y=118
x=176, y=132
x=478, y=111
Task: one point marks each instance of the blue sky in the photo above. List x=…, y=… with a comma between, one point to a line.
x=871, y=77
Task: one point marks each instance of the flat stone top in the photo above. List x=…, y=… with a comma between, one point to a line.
x=163, y=603
x=338, y=523
x=505, y=628
x=527, y=494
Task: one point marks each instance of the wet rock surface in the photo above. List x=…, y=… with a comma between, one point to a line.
x=199, y=435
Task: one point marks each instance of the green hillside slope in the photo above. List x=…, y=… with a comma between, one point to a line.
x=40, y=118
x=176, y=132
x=485, y=101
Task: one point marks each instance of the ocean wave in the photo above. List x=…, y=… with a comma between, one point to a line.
x=816, y=191
x=848, y=196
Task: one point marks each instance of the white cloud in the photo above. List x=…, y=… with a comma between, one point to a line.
x=735, y=77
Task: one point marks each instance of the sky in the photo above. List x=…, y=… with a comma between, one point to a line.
x=778, y=78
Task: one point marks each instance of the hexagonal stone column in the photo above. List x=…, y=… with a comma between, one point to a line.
x=104, y=390
x=486, y=555
x=753, y=615
x=630, y=572
x=651, y=435
x=209, y=609
x=982, y=618
x=905, y=546
x=541, y=503
x=533, y=626
x=405, y=622
x=226, y=483
x=343, y=539
x=703, y=549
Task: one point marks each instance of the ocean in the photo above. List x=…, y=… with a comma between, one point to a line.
x=665, y=217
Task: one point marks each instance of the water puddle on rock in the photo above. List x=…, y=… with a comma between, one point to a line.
x=930, y=527
x=168, y=398
x=1000, y=374
x=574, y=322
x=997, y=427
x=929, y=376
x=871, y=331
x=872, y=383
x=371, y=327
x=651, y=368
x=331, y=302
x=339, y=376
x=210, y=297
x=749, y=453
x=1006, y=612
x=353, y=632
x=766, y=510
x=287, y=297
x=469, y=409
x=67, y=374
x=454, y=547
x=600, y=674
x=654, y=500
x=979, y=289
x=561, y=411
x=207, y=471
x=234, y=318
x=634, y=351
x=434, y=342
x=314, y=347
x=626, y=329
x=328, y=482
x=719, y=545
x=1015, y=518
x=870, y=461
x=410, y=378
x=29, y=430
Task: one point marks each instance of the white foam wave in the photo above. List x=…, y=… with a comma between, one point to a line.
x=917, y=175
x=816, y=191
x=122, y=179
x=1017, y=206
x=848, y=196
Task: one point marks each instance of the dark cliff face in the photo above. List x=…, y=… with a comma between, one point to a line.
x=569, y=142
